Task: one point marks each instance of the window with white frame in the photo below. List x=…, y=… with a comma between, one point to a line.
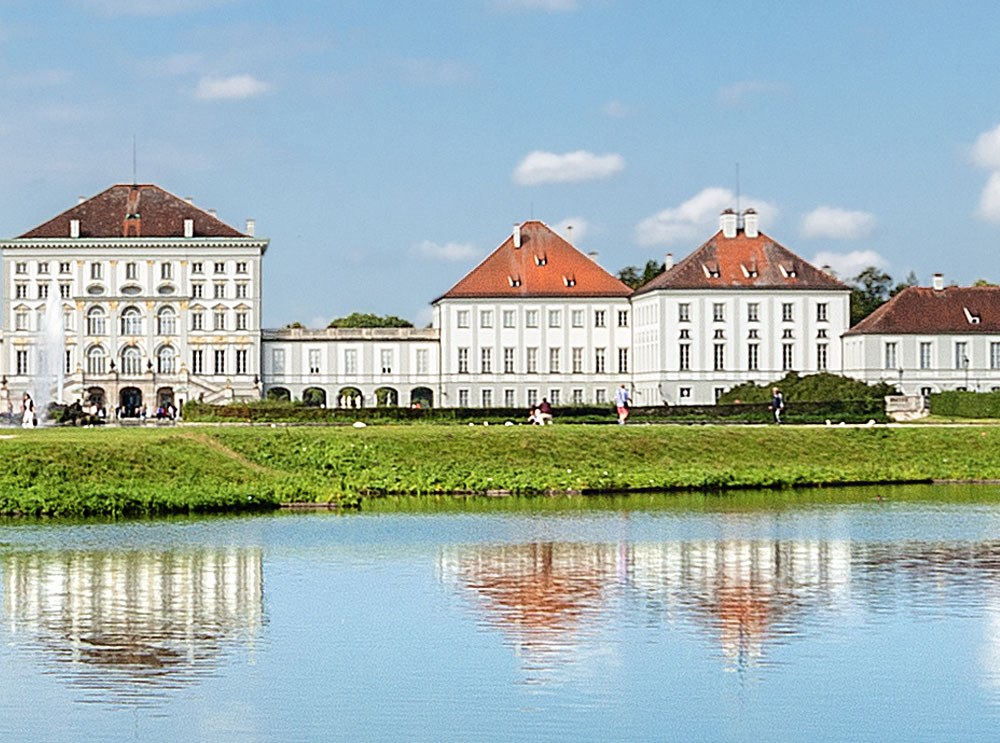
x=166, y=360
x=21, y=319
x=684, y=357
x=600, y=396
x=753, y=312
x=577, y=396
x=578, y=360
x=623, y=361
x=197, y=320
x=220, y=361
x=532, y=360
x=166, y=271
x=554, y=361
x=197, y=361
x=509, y=400
x=219, y=291
x=555, y=318
x=385, y=356
x=21, y=267
x=242, y=320
x=787, y=314
x=278, y=360
x=241, y=290
x=577, y=318
x=486, y=360
x=718, y=312
x=22, y=362
x=97, y=271
x=43, y=267
x=684, y=312
x=463, y=361
x=890, y=355
x=821, y=312
x=598, y=318
x=131, y=361
x=599, y=360
x=131, y=321
x=350, y=361
x=64, y=290
x=531, y=318
x=43, y=291
x=508, y=360
x=821, y=355
x=622, y=318
x=219, y=320
x=95, y=321
x=131, y=271
x=422, y=357
x=462, y=318
x=196, y=267
x=961, y=355
x=509, y=318
x=166, y=322
x=486, y=318
x=241, y=361
x=719, y=356
x=554, y=395
x=487, y=398
x=220, y=267
x=197, y=290
x=20, y=291
x=532, y=398
x=925, y=355
x=463, y=398
x=314, y=359
x=241, y=267
x=787, y=356
x=753, y=357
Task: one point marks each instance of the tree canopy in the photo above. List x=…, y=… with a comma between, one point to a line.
x=821, y=387
x=634, y=277
x=369, y=320
x=872, y=288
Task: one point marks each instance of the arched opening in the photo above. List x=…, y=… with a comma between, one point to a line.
x=386, y=397
x=97, y=360
x=165, y=403
x=279, y=394
x=421, y=397
x=129, y=402
x=314, y=397
x=350, y=397
x=131, y=321
x=166, y=360
x=94, y=397
x=131, y=361
x=166, y=321
x=95, y=321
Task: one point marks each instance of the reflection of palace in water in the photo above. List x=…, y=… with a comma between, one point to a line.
x=129, y=622
x=546, y=598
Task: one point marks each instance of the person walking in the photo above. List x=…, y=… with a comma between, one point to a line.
x=622, y=403
x=777, y=403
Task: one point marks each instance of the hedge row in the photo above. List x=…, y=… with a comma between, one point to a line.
x=963, y=404
x=850, y=411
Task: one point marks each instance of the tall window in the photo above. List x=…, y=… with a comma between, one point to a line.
x=925, y=355
x=21, y=291
x=786, y=312
x=241, y=361
x=131, y=361
x=555, y=318
x=166, y=322
x=577, y=396
x=278, y=360
x=351, y=361
x=508, y=398
x=684, y=312
x=684, y=357
x=509, y=317
x=622, y=360
x=220, y=267
x=753, y=312
x=598, y=318
x=64, y=267
x=622, y=318
x=554, y=395
x=166, y=271
x=43, y=291
x=196, y=267
x=718, y=312
x=220, y=361
x=385, y=356
x=131, y=321
x=242, y=320
x=554, y=361
x=22, y=362
x=463, y=361
x=961, y=355
x=64, y=290
x=577, y=318
x=719, y=356
x=96, y=270
x=486, y=318
x=463, y=398
x=508, y=361
x=890, y=355
x=753, y=357
x=599, y=361
x=241, y=290
x=197, y=320
x=462, y=318
x=821, y=312
x=95, y=321
x=21, y=319
x=821, y=356
x=166, y=360
x=532, y=398
x=486, y=360
x=487, y=396
x=314, y=357
x=96, y=360
x=197, y=291
x=220, y=290
x=197, y=361
x=241, y=267
x=578, y=361
x=422, y=361
x=787, y=356
x=531, y=318
x=219, y=320
x=532, y=360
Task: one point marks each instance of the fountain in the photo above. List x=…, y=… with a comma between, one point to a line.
x=51, y=357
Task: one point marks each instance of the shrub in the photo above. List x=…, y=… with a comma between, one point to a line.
x=821, y=387
x=963, y=404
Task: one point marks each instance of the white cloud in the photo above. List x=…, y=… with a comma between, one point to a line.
x=747, y=92
x=574, y=236
x=581, y=165
x=986, y=150
x=837, y=224
x=849, y=265
x=616, y=110
x=552, y=6
x=230, y=88
x=989, y=201
x=450, y=251
x=697, y=218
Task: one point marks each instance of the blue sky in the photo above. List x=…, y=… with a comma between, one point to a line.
x=385, y=147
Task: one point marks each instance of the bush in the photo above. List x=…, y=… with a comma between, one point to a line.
x=963, y=404
x=822, y=387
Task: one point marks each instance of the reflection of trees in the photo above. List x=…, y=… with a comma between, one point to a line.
x=128, y=623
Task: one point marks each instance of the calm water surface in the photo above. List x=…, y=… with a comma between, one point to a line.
x=845, y=615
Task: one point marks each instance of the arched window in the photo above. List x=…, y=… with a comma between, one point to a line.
x=166, y=321
x=96, y=360
x=131, y=321
x=131, y=361
x=95, y=321
x=166, y=360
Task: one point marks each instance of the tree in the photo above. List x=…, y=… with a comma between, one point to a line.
x=983, y=282
x=295, y=324
x=910, y=280
x=631, y=276
x=369, y=320
x=869, y=291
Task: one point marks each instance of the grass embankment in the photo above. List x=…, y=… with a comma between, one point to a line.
x=126, y=471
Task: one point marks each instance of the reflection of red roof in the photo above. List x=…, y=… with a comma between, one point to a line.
x=544, y=266
x=954, y=309
x=745, y=263
x=112, y=213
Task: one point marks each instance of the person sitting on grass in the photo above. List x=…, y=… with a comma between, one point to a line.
x=544, y=412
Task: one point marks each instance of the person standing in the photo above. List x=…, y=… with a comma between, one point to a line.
x=622, y=403
x=27, y=412
x=777, y=403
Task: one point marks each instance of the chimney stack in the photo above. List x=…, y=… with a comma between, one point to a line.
x=593, y=255
x=517, y=236
x=938, y=282
x=211, y=212
x=251, y=227
x=750, y=223
x=189, y=200
x=74, y=228
x=80, y=199
x=669, y=262
x=188, y=228
x=727, y=221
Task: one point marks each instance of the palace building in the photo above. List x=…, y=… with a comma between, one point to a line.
x=159, y=302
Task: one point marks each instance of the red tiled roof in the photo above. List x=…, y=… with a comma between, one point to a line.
x=923, y=310
x=544, y=266
x=111, y=213
x=742, y=262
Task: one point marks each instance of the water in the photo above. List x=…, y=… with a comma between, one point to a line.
x=842, y=615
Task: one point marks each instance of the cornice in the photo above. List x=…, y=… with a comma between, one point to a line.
x=133, y=243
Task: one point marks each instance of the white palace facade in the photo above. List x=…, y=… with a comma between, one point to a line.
x=161, y=302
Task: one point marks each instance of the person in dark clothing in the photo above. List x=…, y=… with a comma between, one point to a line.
x=545, y=412
x=777, y=403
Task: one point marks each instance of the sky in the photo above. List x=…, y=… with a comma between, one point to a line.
x=385, y=147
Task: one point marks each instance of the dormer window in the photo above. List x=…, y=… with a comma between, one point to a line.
x=569, y=281
x=711, y=272
x=787, y=271
x=514, y=281
x=972, y=319
x=541, y=260
x=750, y=273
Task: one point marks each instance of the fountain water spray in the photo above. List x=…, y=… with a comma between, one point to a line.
x=51, y=350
